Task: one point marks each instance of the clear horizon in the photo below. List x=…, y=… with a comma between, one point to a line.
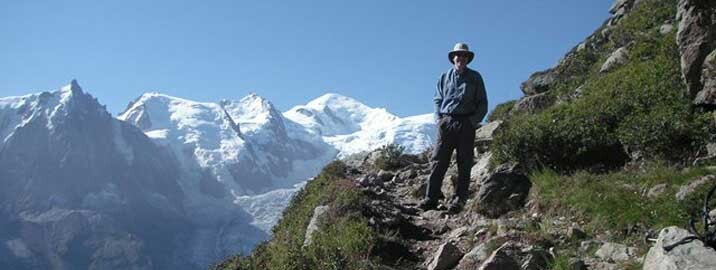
x=382, y=54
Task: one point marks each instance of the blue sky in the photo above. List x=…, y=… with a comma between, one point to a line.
x=382, y=53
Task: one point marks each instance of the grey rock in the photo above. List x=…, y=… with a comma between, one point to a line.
x=503, y=190
x=657, y=190
x=536, y=259
x=539, y=82
x=433, y=214
x=370, y=179
x=666, y=28
x=484, y=135
x=500, y=259
x=696, y=38
x=481, y=168
x=707, y=95
x=711, y=149
x=691, y=187
x=405, y=175
x=533, y=103
x=614, y=252
x=616, y=59
x=318, y=213
x=480, y=253
x=586, y=246
x=692, y=255
x=385, y=176
x=446, y=257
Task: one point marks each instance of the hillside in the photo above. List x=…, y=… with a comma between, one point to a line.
x=607, y=151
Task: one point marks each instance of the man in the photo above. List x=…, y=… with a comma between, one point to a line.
x=460, y=105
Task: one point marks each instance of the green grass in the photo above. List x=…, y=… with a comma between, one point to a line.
x=343, y=244
x=561, y=262
x=615, y=201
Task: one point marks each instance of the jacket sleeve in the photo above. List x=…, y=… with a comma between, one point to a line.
x=480, y=103
x=438, y=98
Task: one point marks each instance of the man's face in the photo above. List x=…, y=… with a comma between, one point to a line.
x=459, y=60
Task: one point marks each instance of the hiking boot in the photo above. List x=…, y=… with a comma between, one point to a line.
x=456, y=205
x=428, y=204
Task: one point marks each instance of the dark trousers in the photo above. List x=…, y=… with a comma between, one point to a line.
x=453, y=132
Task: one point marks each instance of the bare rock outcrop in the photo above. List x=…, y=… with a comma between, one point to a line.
x=696, y=38
x=503, y=190
x=693, y=255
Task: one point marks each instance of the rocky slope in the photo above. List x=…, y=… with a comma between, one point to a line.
x=571, y=176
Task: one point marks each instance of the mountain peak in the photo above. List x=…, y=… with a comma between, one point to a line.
x=72, y=88
x=254, y=98
x=255, y=103
x=331, y=99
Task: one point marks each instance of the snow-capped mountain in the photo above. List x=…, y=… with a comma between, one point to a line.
x=184, y=183
x=242, y=144
x=352, y=127
x=82, y=190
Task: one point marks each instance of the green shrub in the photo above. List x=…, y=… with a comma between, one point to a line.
x=389, y=157
x=501, y=112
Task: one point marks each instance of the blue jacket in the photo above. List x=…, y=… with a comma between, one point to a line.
x=461, y=94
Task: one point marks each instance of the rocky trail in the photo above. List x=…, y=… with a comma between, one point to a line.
x=498, y=229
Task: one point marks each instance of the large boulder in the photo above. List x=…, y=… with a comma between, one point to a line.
x=446, y=257
x=696, y=38
x=479, y=253
x=707, y=95
x=503, y=190
x=539, y=82
x=616, y=252
x=693, y=255
x=618, y=58
x=318, y=214
x=501, y=259
x=481, y=169
x=484, y=135
x=533, y=103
